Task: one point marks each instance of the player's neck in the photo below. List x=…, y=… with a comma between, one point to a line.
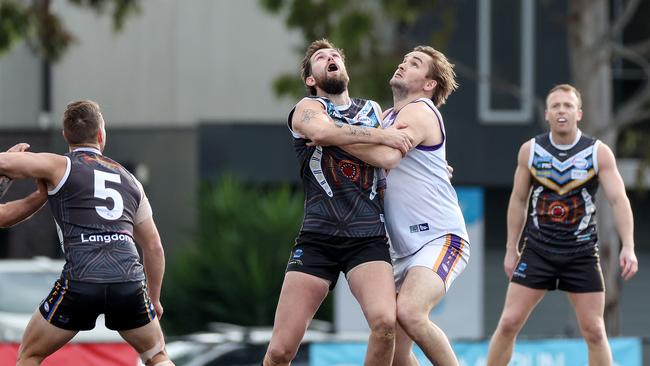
x=564, y=138
x=78, y=146
x=337, y=99
x=401, y=100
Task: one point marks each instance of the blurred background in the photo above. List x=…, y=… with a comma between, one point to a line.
x=196, y=93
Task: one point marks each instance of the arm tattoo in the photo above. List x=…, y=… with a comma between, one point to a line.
x=307, y=115
x=359, y=131
x=5, y=183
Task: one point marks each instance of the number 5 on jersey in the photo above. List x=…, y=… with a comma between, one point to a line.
x=103, y=192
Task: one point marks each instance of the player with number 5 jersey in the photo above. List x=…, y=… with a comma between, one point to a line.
x=101, y=214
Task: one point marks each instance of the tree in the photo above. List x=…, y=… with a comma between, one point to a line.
x=372, y=34
x=594, y=41
x=44, y=31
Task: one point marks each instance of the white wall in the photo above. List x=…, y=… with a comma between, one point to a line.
x=20, y=78
x=176, y=63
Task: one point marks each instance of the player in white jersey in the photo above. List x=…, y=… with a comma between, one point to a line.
x=429, y=242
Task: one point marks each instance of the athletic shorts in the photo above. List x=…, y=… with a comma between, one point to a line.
x=447, y=256
x=75, y=305
x=579, y=272
x=325, y=256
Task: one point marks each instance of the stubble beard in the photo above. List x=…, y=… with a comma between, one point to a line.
x=400, y=91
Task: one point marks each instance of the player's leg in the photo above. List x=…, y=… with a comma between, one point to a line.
x=431, y=271
x=404, y=355
x=149, y=342
x=519, y=304
x=421, y=291
x=589, y=309
x=129, y=311
x=300, y=298
x=40, y=340
x=373, y=286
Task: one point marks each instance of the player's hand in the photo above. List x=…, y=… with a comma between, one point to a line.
x=41, y=187
x=629, y=263
x=398, y=140
x=19, y=147
x=159, y=308
x=450, y=171
x=510, y=261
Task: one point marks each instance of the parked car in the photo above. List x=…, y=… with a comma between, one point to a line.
x=24, y=283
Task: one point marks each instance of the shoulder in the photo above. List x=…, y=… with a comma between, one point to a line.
x=524, y=152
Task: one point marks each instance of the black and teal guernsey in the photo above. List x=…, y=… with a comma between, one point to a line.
x=94, y=208
x=562, y=203
x=341, y=191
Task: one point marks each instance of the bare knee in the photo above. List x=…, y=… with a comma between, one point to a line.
x=280, y=354
x=383, y=326
x=510, y=325
x=411, y=318
x=594, y=333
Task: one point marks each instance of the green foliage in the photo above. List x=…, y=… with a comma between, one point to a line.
x=373, y=35
x=233, y=271
x=45, y=31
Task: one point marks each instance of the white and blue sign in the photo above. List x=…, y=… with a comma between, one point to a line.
x=551, y=352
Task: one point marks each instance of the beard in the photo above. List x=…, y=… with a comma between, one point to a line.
x=333, y=85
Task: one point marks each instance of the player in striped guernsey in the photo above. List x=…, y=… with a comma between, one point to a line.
x=557, y=176
x=343, y=229
x=101, y=211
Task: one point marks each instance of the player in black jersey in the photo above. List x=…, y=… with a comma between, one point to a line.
x=101, y=213
x=343, y=229
x=557, y=177
x=16, y=211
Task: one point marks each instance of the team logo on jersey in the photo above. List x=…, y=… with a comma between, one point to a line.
x=349, y=169
x=580, y=163
x=579, y=174
x=558, y=211
x=297, y=253
x=419, y=227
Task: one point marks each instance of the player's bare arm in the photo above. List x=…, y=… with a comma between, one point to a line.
x=418, y=128
x=517, y=206
x=14, y=212
x=614, y=188
x=153, y=257
x=46, y=166
x=311, y=121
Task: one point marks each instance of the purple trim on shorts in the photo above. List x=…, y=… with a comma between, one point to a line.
x=440, y=124
x=454, y=250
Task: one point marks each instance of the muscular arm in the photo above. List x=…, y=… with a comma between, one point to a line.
x=147, y=237
x=18, y=165
x=14, y=212
x=310, y=120
x=517, y=207
x=416, y=122
x=614, y=188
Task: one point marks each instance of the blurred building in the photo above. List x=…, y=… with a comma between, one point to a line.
x=186, y=92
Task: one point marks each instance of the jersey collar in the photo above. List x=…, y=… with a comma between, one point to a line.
x=88, y=149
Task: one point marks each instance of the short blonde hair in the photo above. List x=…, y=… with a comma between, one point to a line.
x=567, y=88
x=442, y=71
